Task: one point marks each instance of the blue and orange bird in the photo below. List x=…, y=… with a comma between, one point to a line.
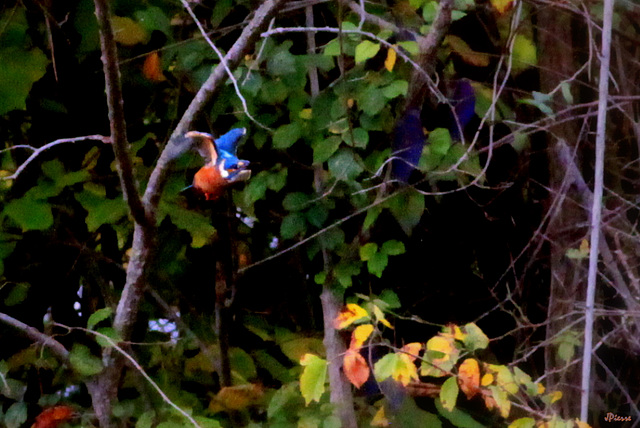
x=222, y=166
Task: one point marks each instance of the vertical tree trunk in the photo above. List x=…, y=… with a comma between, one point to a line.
x=564, y=230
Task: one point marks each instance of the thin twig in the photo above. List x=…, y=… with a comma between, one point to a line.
x=38, y=151
x=37, y=336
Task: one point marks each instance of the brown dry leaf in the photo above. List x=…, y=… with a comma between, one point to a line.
x=236, y=397
x=468, y=55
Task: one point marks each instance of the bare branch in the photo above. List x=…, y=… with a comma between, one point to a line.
x=38, y=151
x=596, y=210
x=37, y=336
x=116, y=113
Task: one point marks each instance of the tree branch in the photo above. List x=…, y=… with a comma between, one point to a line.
x=596, y=210
x=117, y=123
x=37, y=336
x=38, y=151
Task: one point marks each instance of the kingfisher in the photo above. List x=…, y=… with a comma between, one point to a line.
x=222, y=166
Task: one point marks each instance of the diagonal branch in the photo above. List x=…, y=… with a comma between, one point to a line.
x=37, y=336
x=116, y=113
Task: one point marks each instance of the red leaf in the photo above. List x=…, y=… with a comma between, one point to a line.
x=355, y=368
x=54, y=416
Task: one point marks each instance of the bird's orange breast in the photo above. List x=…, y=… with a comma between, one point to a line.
x=209, y=181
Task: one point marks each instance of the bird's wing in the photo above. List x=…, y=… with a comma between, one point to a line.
x=205, y=144
x=229, y=142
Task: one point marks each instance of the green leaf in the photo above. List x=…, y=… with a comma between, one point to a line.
x=393, y=248
x=345, y=165
x=391, y=299
x=440, y=141
x=371, y=217
x=407, y=208
x=430, y=11
x=16, y=415
x=320, y=278
x=286, y=135
x=242, y=364
x=146, y=419
x=295, y=201
x=457, y=417
x=396, y=89
x=98, y=316
x=20, y=69
x=332, y=238
x=281, y=63
x=344, y=270
x=524, y=53
x=332, y=48
x=323, y=149
x=198, y=226
x=365, y=50
x=360, y=138
x=284, y=399
x=83, y=361
x=293, y=225
x=502, y=400
x=386, y=366
x=111, y=334
x=100, y=209
x=371, y=100
x=153, y=18
x=368, y=250
x=17, y=294
x=475, y=338
x=449, y=393
x=30, y=214
x=377, y=263
x=523, y=423
x=313, y=378
x=317, y=214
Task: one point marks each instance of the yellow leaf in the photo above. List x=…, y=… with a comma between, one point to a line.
x=305, y=113
x=439, y=365
x=355, y=368
x=127, y=31
x=555, y=396
x=236, y=397
x=581, y=424
x=406, y=370
x=468, y=55
x=501, y=6
x=487, y=379
x=350, y=314
x=391, y=59
x=541, y=388
x=350, y=102
x=380, y=419
x=360, y=335
x=380, y=317
x=584, y=246
x=469, y=377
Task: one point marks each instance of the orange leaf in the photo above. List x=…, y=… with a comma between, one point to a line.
x=359, y=336
x=412, y=350
x=350, y=314
x=469, y=377
x=236, y=397
x=152, y=68
x=53, y=417
x=355, y=368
